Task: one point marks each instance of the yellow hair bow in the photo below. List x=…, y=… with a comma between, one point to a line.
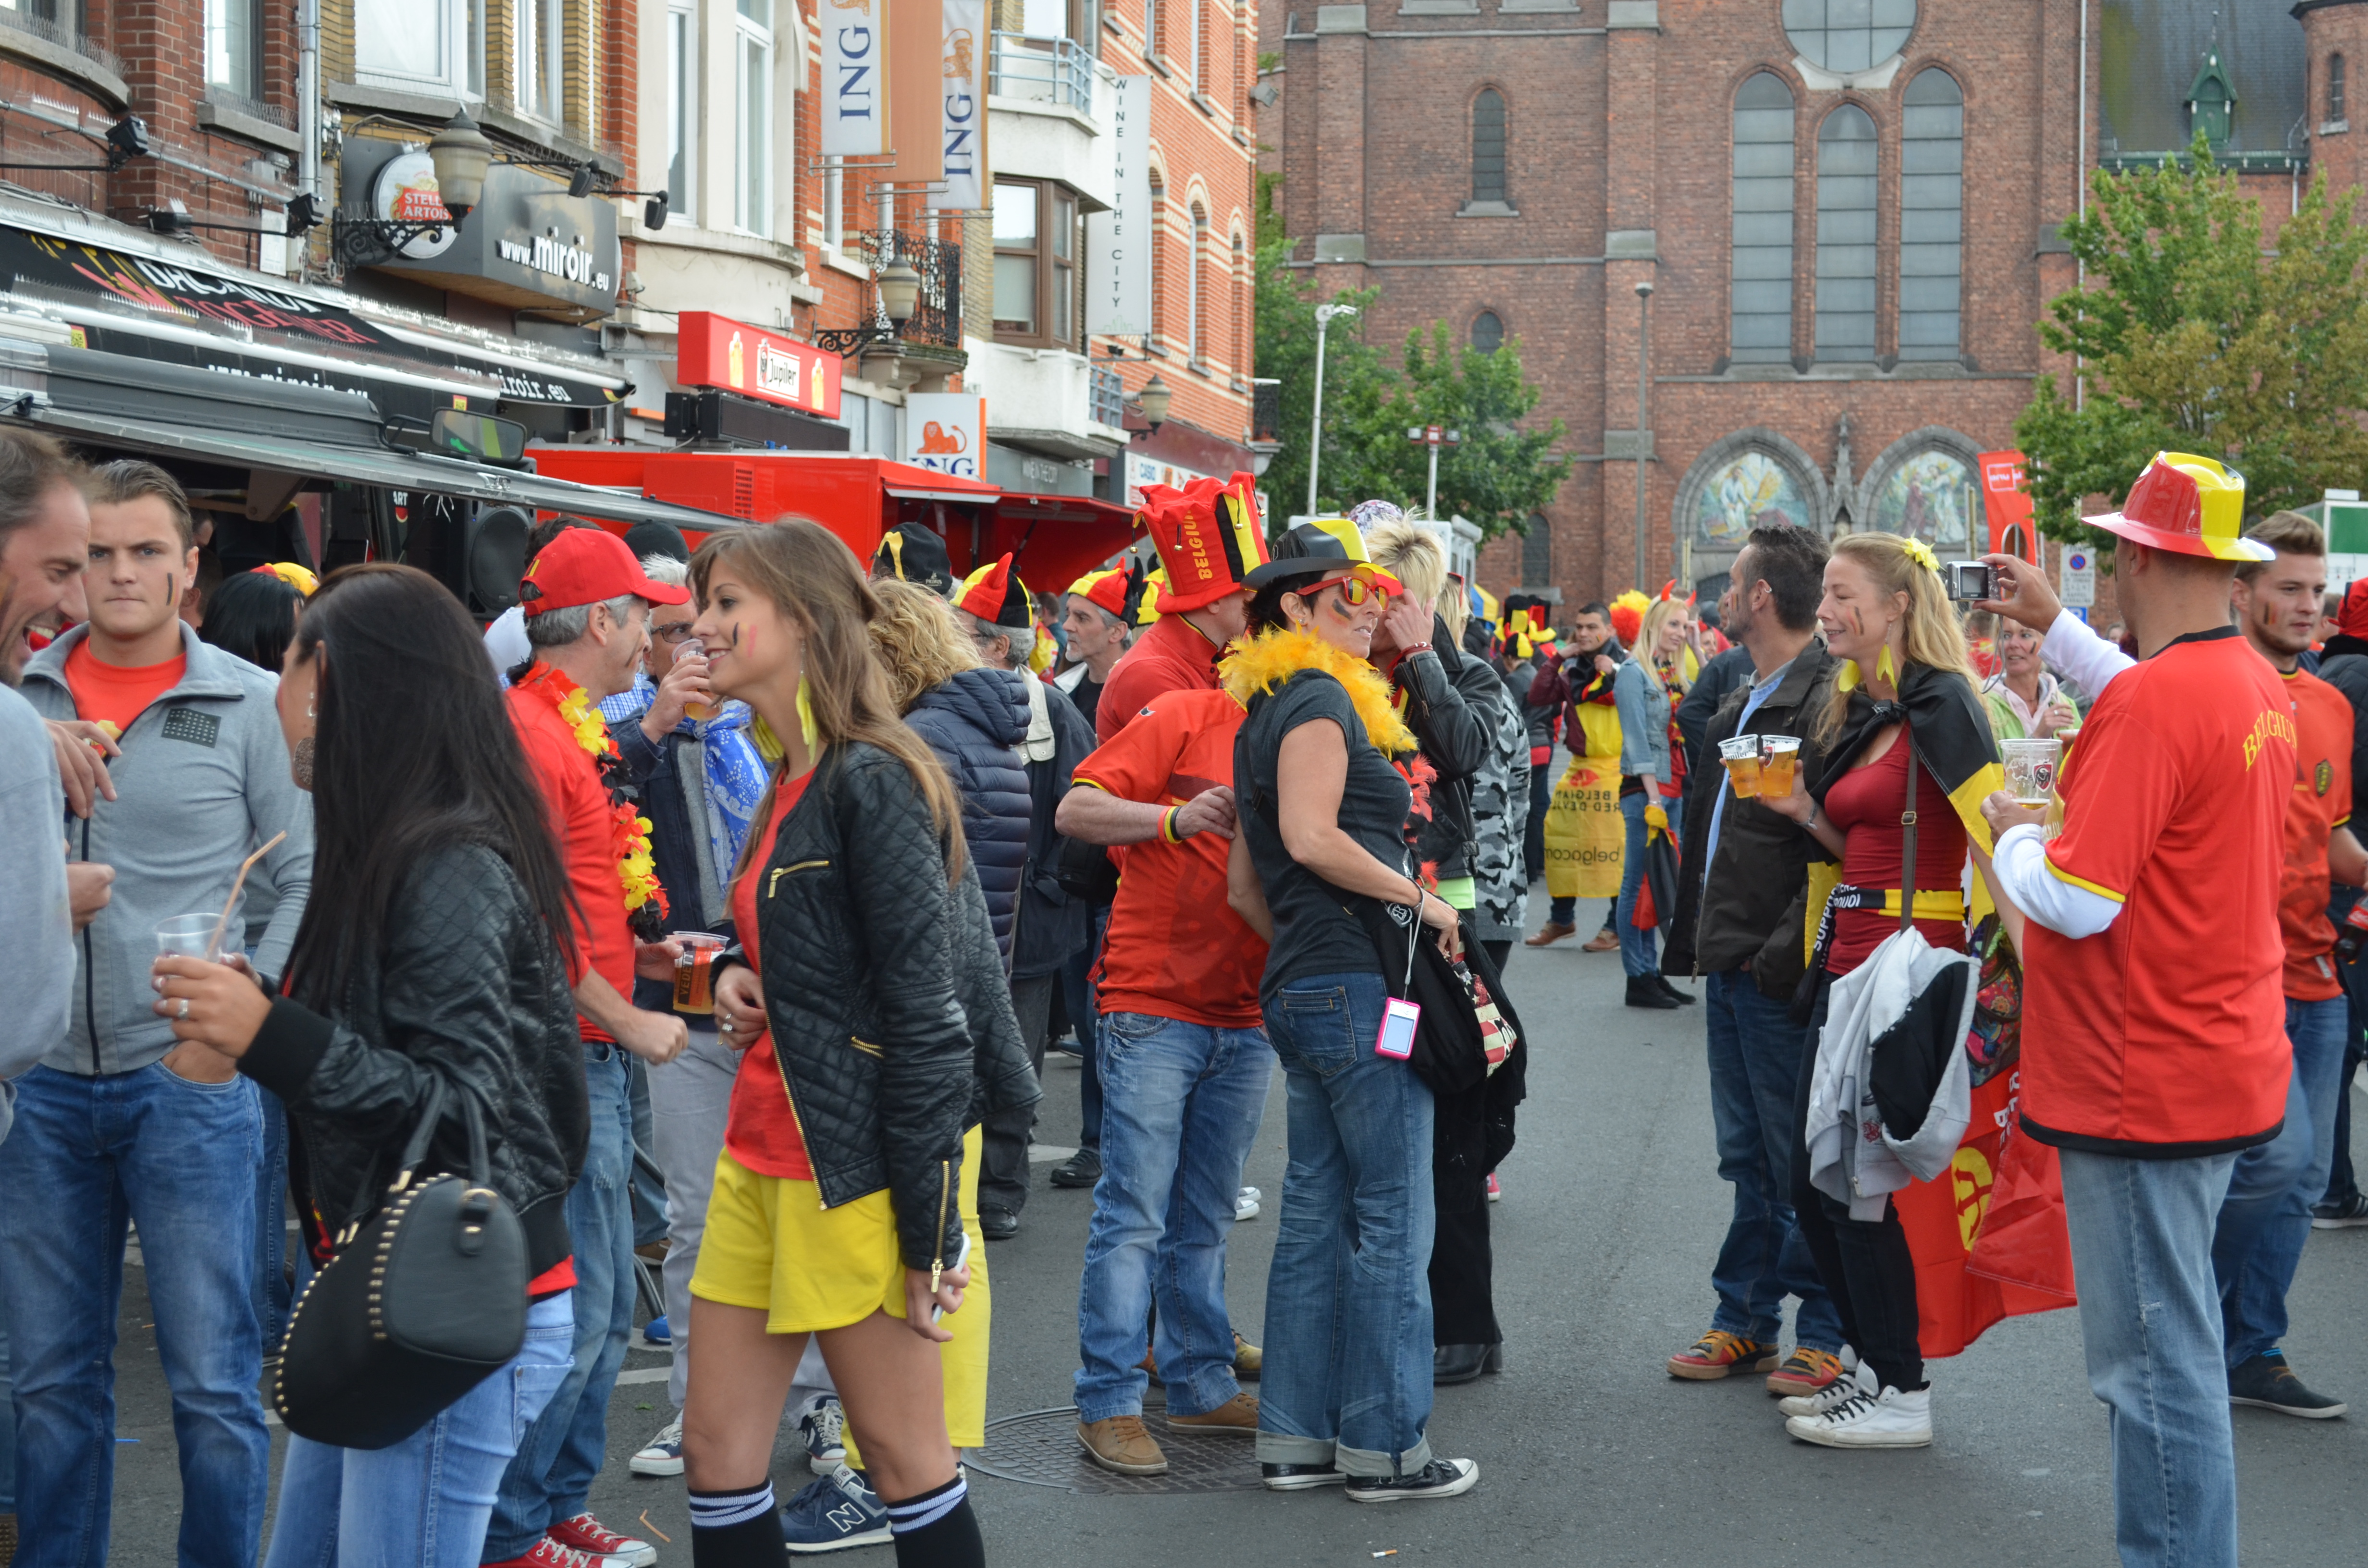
x=1921, y=553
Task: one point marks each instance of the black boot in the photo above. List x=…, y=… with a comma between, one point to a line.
x=1463, y=1363
x=1684, y=998
x=1643, y=992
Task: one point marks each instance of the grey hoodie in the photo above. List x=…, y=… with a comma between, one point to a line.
x=203, y=779
x=35, y=921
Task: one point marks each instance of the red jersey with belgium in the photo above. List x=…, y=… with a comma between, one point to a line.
x=2164, y=1033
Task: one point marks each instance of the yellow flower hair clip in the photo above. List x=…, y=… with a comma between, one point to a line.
x=1921, y=553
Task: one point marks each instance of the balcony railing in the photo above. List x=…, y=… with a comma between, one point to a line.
x=937, y=313
x=1055, y=71
x=1109, y=398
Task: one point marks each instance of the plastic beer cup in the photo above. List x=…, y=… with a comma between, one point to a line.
x=1778, y=756
x=691, y=648
x=1741, y=756
x=2030, y=769
x=694, y=991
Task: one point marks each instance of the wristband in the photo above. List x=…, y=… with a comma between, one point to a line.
x=1411, y=649
x=1167, y=826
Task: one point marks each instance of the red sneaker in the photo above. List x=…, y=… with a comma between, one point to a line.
x=585, y=1534
x=1805, y=1371
x=1496, y=1192
x=1717, y=1352
x=549, y=1553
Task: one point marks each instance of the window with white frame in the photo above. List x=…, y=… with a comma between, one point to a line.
x=423, y=45
x=683, y=107
x=541, y=73
x=234, y=45
x=752, y=121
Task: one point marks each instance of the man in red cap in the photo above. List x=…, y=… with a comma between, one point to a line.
x=1209, y=540
x=2155, y=1049
x=588, y=618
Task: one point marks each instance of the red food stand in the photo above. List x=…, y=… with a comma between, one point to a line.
x=1056, y=539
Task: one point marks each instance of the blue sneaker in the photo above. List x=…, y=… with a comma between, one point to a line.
x=834, y=1513
x=657, y=1332
x=823, y=1424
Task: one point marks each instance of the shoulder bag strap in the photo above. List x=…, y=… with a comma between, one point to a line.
x=1908, y=839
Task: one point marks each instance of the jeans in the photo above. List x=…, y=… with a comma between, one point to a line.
x=1347, y=1380
x=273, y=1294
x=1003, y=1166
x=649, y=1192
x=423, y=1502
x=89, y=1155
x=2257, y=1243
x=1181, y=1106
x=2149, y=1318
x=565, y=1445
x=1079, y=995
x=1635, y=941
x=1534, y=834
x=1755, y=1063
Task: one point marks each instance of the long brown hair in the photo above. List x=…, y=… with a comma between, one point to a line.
x=813, y=579
x=1935, y=637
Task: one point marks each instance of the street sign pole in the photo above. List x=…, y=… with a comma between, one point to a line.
x=1434, y=437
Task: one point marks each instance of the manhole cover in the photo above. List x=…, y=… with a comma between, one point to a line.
x=1039, y=1448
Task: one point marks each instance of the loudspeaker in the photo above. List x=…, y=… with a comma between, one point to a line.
x=494, y=559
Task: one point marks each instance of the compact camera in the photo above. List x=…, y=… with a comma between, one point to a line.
x=1971, y=580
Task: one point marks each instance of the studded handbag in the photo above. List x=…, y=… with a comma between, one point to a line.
x=425, y=1298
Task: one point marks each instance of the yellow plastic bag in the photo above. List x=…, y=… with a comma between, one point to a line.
x=1586, y=835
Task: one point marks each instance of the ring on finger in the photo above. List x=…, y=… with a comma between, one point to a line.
x=181, y=1007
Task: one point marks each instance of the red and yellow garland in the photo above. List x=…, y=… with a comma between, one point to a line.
x=635, y=870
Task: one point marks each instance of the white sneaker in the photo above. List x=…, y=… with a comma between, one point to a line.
x=1888, y=1420
x=1246, y=1203
x=822, y=1424
x=1850, y=1383
x=664, y=1455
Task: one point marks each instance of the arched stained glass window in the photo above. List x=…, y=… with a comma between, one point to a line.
x=1846, y=250
x=1489, y=146
x=1487, y=332
x=1932, y=217
x=1930, y=496
x=1761, y=307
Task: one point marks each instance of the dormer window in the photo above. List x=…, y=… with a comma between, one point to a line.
x=2211, y=102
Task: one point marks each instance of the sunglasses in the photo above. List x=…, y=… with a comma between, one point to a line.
x=1353, y=590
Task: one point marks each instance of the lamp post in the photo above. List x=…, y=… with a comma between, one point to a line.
x=1644, y=391
x=1434, y=437
x=1324, y=314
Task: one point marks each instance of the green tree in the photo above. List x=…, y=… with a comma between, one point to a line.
x=2194, y=338
x=1498, y=475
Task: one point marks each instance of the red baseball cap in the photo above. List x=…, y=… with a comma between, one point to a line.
x=588, y=566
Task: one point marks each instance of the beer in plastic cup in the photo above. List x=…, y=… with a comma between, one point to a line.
x=193, y=935
x=1741, y=756
x=2030, y=769
x=694, y=990
x=691, y=648
x=1778, y=756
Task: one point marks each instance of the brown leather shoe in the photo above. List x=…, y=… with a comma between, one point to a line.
x=1237, y=1417
x=1602, y=942
x=1549, y=934
x=1121, y=1445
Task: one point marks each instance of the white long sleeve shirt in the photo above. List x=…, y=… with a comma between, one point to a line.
x=2019, y=859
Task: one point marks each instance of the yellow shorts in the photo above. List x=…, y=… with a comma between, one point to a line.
x=770, y=1245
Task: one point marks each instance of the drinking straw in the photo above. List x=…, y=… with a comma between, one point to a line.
x=213, y=943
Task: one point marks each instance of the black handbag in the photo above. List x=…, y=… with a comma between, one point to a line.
x=423, y=1301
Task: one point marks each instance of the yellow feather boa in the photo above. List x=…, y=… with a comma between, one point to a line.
x=1262, y=663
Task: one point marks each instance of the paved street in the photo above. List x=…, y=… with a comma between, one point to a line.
x=1588, y=1452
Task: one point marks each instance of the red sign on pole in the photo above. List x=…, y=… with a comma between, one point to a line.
x=2007, y=502
x=716, y=351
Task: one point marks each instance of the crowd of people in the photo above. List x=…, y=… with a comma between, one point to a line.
x=713, y=914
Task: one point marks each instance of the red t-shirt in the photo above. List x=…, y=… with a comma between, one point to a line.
x=117, y=694
x=582, y=822
x=2320, y=803
x=1172, y=656
x=1176, y=949
x=1865, y=803
x=2168, y=1027
x=761, y=1129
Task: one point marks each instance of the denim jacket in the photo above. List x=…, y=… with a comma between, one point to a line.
x=1644, y=721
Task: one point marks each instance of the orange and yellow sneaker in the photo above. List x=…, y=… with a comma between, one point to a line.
x=1805, y=1371
x=1717, y=1352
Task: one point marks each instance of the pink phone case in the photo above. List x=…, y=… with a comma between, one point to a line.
x=1399, y=1020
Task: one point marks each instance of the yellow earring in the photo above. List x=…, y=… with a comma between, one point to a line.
x=1883, y=668
x=805, y=715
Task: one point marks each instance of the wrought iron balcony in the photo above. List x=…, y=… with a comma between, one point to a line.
x=936, y=309
x=1055, y=71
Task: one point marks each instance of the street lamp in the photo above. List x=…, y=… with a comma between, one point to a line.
x=1434, y=437
x=1154, y=400
x=1644, y=435
x=461, y=155
x=1324, y=314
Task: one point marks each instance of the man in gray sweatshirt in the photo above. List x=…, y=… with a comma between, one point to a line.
x=116, y=1123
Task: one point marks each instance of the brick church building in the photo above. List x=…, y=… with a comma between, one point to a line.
x=1845, y=212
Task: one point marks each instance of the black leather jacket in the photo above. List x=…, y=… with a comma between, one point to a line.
x=890, y=1014
x=469, y=987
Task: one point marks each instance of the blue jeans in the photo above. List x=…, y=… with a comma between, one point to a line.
x=1755, y=1060
x=1181, y=1105
x=2265, y=1220
x=88, y=1156
x=423, y=1502
x=565, y=1446
x=1635, y=941
x=2150, y=1321
x=273, y=1294
x=1348, y=1298
x=1080, y=996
